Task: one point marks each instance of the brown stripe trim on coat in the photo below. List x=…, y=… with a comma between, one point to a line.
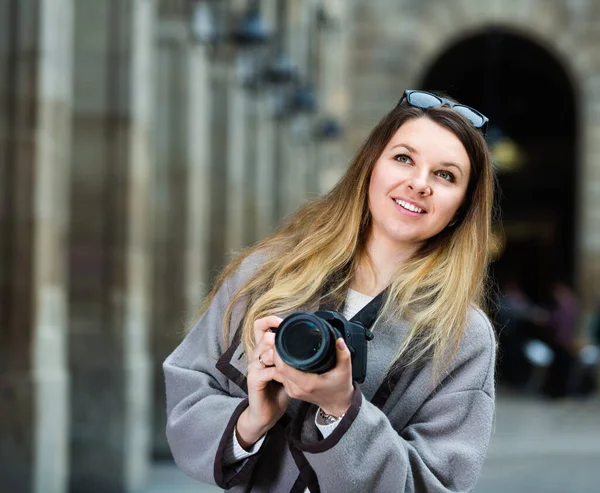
x=221, y=471
x=299, y=485
x=386, y=388
x=226, y=368
x=307, y=477
x=329, y=442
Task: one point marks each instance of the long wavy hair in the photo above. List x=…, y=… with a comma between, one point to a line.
x=317, y=252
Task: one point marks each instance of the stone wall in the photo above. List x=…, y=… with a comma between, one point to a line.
x=35, y=107
x=395, y=41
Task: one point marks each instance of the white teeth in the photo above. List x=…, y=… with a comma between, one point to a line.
x=408, y=206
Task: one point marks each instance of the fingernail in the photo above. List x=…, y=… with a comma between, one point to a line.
x=341, y=344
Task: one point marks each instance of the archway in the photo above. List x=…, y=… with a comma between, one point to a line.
x=530, y=101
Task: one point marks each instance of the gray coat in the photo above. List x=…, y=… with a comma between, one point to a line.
x=399, y=435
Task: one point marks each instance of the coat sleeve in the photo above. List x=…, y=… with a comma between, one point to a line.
x=441, y=449
x=201, y=413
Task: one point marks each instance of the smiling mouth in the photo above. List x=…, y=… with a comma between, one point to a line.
x=409, y=207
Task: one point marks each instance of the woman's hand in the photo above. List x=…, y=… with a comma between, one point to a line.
x=267, y=398
x=331, y=391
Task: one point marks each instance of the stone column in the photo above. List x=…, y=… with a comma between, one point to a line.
x=35, y=120
x=180, y=200
x=265, y=172
x=298, y=136
x=227, y=159
x=110, y=254
x=198, y=146
x=334, y=39
x=219, y=119
x=237, y=108
x=251, y=167
x=588, y=227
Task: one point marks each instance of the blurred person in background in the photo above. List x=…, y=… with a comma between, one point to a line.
x=563, y=324
x=564, y=315
x=400, y=244
x=518, y=320
x=595, y=329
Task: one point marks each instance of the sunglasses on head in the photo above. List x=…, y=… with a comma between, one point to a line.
x=424, y=100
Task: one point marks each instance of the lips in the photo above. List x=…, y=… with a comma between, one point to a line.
x=410, y=206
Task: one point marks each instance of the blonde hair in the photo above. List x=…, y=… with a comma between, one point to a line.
x=322, y=245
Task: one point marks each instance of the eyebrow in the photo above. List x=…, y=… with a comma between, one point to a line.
x=414, y=151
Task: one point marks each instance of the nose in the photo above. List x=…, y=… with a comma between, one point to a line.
x=419, y=184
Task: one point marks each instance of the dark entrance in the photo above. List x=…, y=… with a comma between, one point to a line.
x=531, y=105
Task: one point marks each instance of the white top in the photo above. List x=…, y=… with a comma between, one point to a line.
x=234, y=452
x=355, y=302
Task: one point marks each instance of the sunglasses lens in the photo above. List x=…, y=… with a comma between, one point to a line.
x=476, y=118
x=423, y=100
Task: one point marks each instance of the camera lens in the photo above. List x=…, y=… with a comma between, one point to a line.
x=303, y=340
x=306, y=342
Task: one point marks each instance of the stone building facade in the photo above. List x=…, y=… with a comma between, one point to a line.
x=395, y=44
x=138, y=152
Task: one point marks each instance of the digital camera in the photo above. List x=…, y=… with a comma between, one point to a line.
x=306, y=341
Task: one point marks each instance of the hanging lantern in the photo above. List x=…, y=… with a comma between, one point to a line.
x=329, y=128
x=304, y=99
x=251, y=30
x=281, y=70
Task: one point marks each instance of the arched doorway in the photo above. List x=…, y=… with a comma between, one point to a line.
x=530, y=101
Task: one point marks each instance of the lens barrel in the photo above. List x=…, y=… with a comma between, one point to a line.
x=307, y=342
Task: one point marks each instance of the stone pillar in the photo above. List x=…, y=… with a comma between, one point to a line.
x=35, y=120
x=299, y=135
x=198, y=146
x=334, y=74
x=110, y=257
x=181, y=201
x=265, y=169
x=227, y=159
x=588, y=206
x=251, y=197
x=219, y=119
x=235, y=150
x=283, y=193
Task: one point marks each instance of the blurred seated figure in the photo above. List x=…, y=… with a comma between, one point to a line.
x=584, y=378
x=564, y=316
x=595, y=329
x=519, y=321
x=540, y=357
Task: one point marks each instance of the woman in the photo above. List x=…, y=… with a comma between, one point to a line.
x=404, y=236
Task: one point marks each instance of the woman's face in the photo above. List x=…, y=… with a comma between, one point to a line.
x=418, y=184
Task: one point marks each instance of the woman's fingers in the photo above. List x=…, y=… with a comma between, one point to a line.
x=262, y=326
x=266, y=343
x=267, y=357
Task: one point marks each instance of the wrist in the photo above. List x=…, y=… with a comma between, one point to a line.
x=325, y=419
x=339, y=408
x=248, y=431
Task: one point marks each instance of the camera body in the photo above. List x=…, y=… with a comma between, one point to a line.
x=306, y=341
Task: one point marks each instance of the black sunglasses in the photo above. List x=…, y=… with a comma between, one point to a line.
x=424, y=100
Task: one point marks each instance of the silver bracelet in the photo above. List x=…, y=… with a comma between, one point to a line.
x=326, y=419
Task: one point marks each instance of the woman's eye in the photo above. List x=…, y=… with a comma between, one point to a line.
x=446, y=175
x=402, y=158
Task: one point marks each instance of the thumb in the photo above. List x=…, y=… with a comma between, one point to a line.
x=342, y=351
